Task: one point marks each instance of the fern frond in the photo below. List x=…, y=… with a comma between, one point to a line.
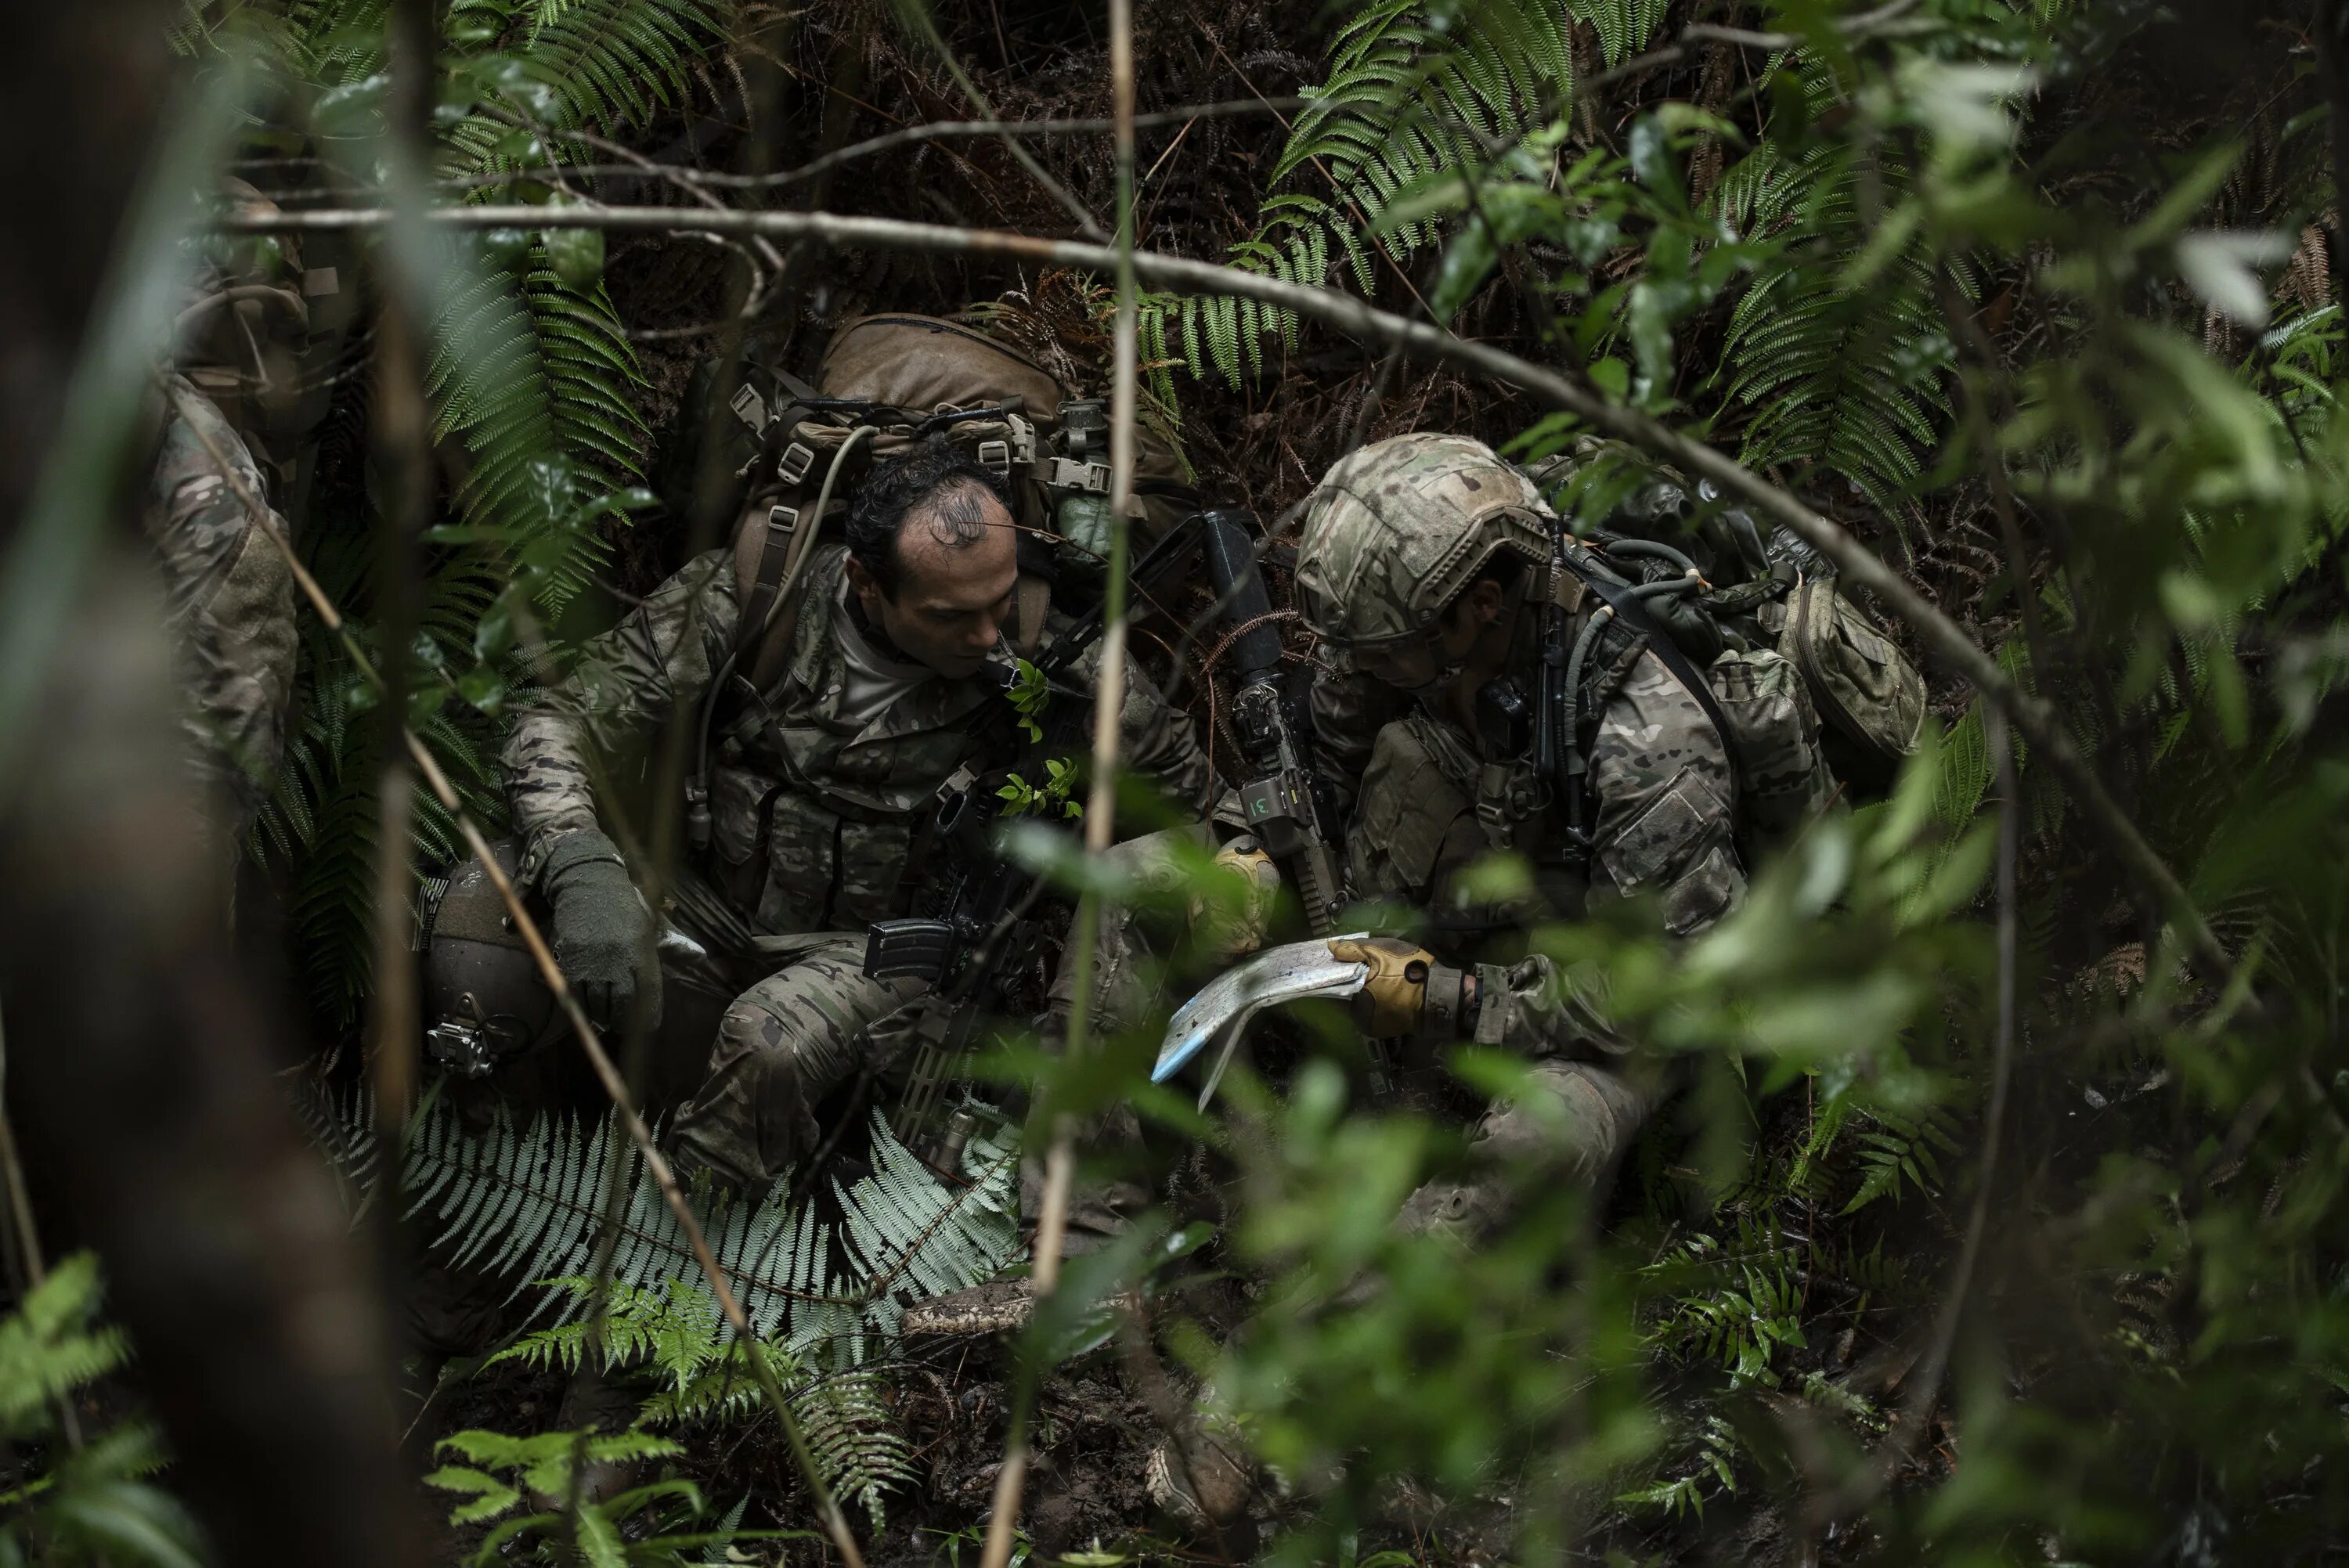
x=1833, y=380
x=525, y=1202
x=49, y=1349
x=1407, y=81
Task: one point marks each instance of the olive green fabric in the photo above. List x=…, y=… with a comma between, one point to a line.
x=1864, y=686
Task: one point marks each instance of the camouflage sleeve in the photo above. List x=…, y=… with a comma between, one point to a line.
x=1348, y=710
x=1660, y=774
x=662, y=655
x=1537, y=1008
x=230, y=599
x=1156, y=740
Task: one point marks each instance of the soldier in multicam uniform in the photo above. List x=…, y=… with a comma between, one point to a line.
x=1425, y=563
x=896, y=670
x=229, y=591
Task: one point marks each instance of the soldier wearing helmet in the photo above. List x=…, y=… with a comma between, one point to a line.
x=1427, y=564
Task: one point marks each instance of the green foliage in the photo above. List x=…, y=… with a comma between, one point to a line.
x=1716, y=1451
x=1050, y=798
x=532, y=384
x=1030, y=697
x=526, y=1202
x=1833, y=378
x=646, y=1526
x=93, y=1504
x=696, y=1365
x=1413, y=90
x=1900, y=1150
x=1750, y=1306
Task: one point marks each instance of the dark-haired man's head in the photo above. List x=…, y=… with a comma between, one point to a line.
x=933, y=557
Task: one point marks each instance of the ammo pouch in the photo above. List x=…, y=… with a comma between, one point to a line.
x=1871, y=697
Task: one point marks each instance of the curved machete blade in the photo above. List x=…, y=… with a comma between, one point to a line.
x=1276, y=975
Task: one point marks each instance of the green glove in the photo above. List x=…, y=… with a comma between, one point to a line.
x=604, y=937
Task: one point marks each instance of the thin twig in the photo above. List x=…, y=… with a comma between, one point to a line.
x=550, y=975
x=1087, y=224
x=2036, y=718
x=1867, y=24
x=755, y=297
x=403, y=447
x=2331, y=30
x=1101, y=806
x=950, y=129
x=1900, y=1447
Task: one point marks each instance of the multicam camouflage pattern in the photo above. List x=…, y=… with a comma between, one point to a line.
x=815, y=821
x=786, y=1043
x=1774, y=730
x=1574, y=1118
x=1430, y=808
x=1395, y=532
x=230, y=600
x=790, y=1041
x=1396, y=529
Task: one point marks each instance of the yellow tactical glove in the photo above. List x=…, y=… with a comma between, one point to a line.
x=1231, y=919
x=1404, y=979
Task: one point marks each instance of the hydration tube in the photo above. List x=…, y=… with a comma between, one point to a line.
x=697, y=816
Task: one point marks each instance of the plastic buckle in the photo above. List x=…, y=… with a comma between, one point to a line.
x=996, y=454
x=750, y=407
x=780, y=522
x=1070, y=474
x=793, y=465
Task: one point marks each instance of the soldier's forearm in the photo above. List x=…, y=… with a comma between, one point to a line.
x=1535, y=1008
x=548, y=787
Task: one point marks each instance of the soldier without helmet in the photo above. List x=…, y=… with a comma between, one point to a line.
x=897, y=667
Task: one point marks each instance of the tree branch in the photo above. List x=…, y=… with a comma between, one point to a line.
x=1101, y=806
x=2032, y=716
x=551, y=973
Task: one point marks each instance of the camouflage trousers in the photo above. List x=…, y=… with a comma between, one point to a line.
x=792, y=1040
x=1573, y=1123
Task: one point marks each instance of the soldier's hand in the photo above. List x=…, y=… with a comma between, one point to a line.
x=1231, y=918
x=1394, y=998
x=604, y=935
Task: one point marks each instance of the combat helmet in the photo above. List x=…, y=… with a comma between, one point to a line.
x=1396, y=531
x=245, y=322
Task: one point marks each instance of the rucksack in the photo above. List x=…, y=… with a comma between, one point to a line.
x=903, y=377
x=1770, y=601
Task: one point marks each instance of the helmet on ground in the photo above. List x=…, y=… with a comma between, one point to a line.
x=484, y=1002
x=1395, y=531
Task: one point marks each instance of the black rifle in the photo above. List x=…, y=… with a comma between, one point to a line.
x=1283, y=798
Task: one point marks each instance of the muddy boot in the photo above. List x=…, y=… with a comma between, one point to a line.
x=1203, y=1486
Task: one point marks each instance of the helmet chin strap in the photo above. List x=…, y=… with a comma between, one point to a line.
x=1514, y=626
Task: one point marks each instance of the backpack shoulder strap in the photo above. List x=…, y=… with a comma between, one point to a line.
x=1631, y=611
